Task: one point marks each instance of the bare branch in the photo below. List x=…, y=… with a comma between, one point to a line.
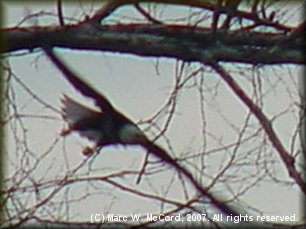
x=174, y=41
x=60, y=12
x=147, y=15
x=107, y=9
x=287, y=159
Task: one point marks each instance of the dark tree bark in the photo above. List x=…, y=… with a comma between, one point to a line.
x=181, y=42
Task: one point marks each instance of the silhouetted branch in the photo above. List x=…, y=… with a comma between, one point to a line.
x=60, y=12
x=147, y=15
x=173, y=41
x=287, y=159
x=110, y=6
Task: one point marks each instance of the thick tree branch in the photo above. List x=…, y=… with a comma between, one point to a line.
x=287, y=159
x=174, y=41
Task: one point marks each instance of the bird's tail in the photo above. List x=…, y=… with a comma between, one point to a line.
x=73, y=112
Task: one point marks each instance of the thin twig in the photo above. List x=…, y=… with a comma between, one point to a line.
x=287, y=159
x=107, y=9
x=60, y=12
x=147, y=15
x=143, y=168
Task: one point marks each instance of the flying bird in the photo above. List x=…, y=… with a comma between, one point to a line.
x=107, y=126
x=103, y=128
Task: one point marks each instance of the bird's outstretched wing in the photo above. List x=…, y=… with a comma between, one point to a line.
x=137, y=136
x=160, y=153
x=80, y=84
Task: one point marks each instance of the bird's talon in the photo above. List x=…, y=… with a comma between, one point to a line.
x=65, y=132
x=87, y=151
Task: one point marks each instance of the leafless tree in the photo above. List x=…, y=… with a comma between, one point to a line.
x=236, y=66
